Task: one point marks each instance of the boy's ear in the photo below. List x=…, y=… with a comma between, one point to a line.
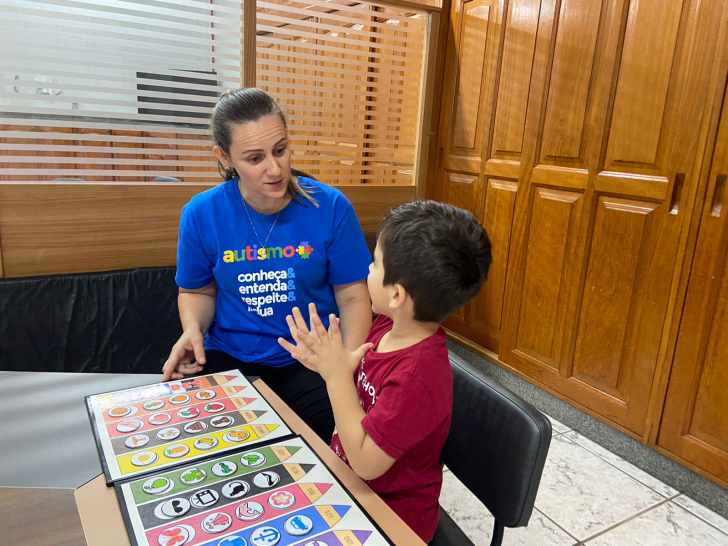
x=397, y=296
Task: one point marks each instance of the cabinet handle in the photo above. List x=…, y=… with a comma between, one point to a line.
x=677, y=193
x=717, y=206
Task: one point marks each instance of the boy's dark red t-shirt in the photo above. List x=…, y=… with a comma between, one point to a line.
x=407, y=395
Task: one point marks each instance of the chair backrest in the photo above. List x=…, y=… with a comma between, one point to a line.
x=166, y=179
x=497, y=445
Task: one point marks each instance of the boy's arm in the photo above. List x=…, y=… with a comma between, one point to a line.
x=367, y=459
x=325, y=353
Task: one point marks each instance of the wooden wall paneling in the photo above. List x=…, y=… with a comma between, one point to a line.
x=94, y=156
x=204, y=162
x=120, y=176
x=23, y=153
x=465, y=126
x=590, y=325
x=440, y=30
x=51, y=169
x=75, y=227
x=171, y=156
x=693, y=424
x=397, y=111
x=248, y=44
x=71, y=228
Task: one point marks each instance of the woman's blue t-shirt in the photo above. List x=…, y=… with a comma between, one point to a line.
x=309, y=250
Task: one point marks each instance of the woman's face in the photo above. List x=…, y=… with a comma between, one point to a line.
x=260, y=154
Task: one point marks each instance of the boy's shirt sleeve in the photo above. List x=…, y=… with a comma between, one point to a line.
x=404, y=414
x=194, y=267
x=348, y=254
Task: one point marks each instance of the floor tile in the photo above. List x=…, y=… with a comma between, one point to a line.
x=557, y=426
x=703, y=513
x=639, y=475
x=584, y=494
x=477, y=522
x=666, y=525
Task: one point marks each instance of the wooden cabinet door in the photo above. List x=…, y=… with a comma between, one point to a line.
x=695, y=418
x=613, y=125
x=465, y=135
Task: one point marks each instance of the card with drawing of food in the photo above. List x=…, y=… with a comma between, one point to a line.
x=166, y=424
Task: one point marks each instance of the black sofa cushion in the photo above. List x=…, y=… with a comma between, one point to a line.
x=114, y=322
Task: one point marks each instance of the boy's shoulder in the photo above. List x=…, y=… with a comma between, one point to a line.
x=426, y=361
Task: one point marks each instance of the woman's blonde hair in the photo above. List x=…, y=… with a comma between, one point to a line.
x=243, y=106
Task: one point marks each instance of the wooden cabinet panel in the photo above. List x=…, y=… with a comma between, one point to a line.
x=517, y=64
x=464, y=191
x=639, y=122
x=554, y=215
x=474, y=32
x=465, y=124
x=578, y=146
x=487, y=308
x=621, y=241
x=569, y=84
x=694, y=424
x=601, y=202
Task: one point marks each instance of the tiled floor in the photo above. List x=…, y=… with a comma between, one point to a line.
x=589, y=496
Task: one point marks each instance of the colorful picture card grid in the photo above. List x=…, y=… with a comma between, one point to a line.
x=166, y=424
x=278, y=495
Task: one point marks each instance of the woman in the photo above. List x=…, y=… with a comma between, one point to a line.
x=251, y=249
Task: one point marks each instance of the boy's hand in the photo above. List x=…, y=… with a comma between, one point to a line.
x=324, y=352
x=295, y=323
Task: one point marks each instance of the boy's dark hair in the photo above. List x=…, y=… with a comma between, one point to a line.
x=439, y=253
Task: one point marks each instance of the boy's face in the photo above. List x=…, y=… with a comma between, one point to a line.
x=375, y=283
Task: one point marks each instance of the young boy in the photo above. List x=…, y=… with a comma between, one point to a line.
x=391, y=424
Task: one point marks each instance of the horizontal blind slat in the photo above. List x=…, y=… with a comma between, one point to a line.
x=206, y=154
x=98, y=76
x=311, y=23
x=341, y=51
x=113, y=138
x=152, y=35
x=381, y=73
x=355, y=7
x=414, y=26
x=163, y=27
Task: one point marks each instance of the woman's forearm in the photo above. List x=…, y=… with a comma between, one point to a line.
x=355, y=313
x=197, y=309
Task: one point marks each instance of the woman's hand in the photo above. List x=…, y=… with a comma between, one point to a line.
x=187, y=356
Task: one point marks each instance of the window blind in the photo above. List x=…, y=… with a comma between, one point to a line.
x=349, y=75
x=113, y=90
x=122, y=90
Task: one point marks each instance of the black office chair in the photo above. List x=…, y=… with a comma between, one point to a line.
x=497, y=448
x=166, y=179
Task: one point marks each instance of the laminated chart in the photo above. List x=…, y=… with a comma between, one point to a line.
x=167, y=424
x=277, y=495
